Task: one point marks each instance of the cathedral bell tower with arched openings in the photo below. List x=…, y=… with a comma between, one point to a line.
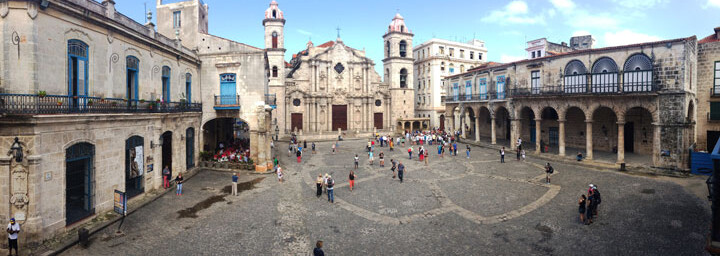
x=274, y=24
x=398, y=68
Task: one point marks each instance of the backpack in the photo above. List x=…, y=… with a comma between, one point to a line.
x=551, y=170
x=330, y=183
x=596, y=194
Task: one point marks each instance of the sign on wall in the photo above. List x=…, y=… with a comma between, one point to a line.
x=136, y=161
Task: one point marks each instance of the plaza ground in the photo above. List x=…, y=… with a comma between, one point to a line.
x=454, y=205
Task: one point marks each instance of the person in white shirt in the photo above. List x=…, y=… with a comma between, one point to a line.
x=13, y=229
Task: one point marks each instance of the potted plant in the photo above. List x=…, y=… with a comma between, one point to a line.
x=102, y=99
x=142, y=100
x=75, y=97
x=90, y=102
x=59, y=103
x=250, y=164
x=42, y=94
x=151, y=105
x=125, y=99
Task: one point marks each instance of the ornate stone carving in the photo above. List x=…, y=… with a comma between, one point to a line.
x=19, y=178
x=4, y=9
x=322, y=76
x=32, y=9
x=110, y=37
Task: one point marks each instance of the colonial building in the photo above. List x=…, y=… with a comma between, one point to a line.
x=92, y=101
x=708, y=91
x=332, y=86
x=634, y=99
x=435, y=59
x=542, y=47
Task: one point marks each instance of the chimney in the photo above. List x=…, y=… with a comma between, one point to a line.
x=563, y=44
x=717, y=32
x=109, y=8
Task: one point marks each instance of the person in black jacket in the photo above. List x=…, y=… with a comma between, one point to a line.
x=318, y=249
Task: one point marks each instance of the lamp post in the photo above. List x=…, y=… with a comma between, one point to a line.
x=16, y=150
x=277, y=133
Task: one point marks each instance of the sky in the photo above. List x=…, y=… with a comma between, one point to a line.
x=505, y=26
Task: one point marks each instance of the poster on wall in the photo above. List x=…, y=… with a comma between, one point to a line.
x=136, y=161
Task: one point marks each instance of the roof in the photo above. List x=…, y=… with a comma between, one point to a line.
x=398, y=25
x=710, y=38
x=327, y=44
x=273, y=7
x=578, y=52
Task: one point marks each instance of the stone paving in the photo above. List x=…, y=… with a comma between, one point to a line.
x=454, y=205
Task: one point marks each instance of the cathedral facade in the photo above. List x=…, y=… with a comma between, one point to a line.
x=334, y=87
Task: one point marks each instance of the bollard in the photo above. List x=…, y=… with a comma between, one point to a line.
x=622, y=167
x=83, y=236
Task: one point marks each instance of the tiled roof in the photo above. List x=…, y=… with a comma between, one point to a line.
x=709, y=39
x=327, y=44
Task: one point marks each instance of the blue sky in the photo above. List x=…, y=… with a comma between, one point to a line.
x=505, y=26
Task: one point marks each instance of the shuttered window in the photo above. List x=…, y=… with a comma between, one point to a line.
x=714, y=110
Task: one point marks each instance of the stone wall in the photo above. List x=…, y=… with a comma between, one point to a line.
x=708, y=55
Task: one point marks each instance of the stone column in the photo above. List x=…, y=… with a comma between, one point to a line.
x=657, y=144
x=588, y=139
x=463, y=119
x=514, y=132
x=621, y=142
x=561, y=139
x=477, y=129
x=538, y=136
x=493, y=136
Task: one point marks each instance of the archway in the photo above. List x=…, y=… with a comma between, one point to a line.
x=575, y=129
x=190, y=148
x=638, y=131
x=604, y=136
x=167, y=151
x=549, y=130
x=484, y=119
x=527, y=126
x=134, y=166
x=442, y=122
x=469, y=123
x=502, y=124
x=79, y=182
x=416, y=125
x=222, y=133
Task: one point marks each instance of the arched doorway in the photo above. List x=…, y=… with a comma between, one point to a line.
x=483, y=116
x=575, y=129
x=638, y=131
x=190, y=148
x=604, y=129
x=469, y=123
x=167, y=152
x=79, y=182
x=442, y=122
x=527, y=126
x=550, y=136
x=134, y=166
x=502, y=123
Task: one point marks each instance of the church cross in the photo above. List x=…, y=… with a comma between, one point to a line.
x=338, y=31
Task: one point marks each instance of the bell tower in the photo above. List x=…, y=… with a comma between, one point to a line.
x=398, y=65
x=274, y=24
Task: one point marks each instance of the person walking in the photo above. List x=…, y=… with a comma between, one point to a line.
x=179, y=180
x=393, y=167
x=13, y=229
x=333, y=148
x=440, y=150
x=325, y=179
x=426, y=157
x=502, y=155
x=357, y=161
x=467, y=150
x=455, y=148
x=318, y=249
x=581, y=208
x=351, y=180
x=313, y=147
x=319, y=185
x=371, y=158
x=330, y=185
x=280, y=174
x=166, y=177
x=421, y=154
x=548, y=170
x=382, y=159
x=391, y=143
x=401, y=171
x=304, y=143
x=234, y=184
x=590, y=208
x=299, y=155
x=410, y=150
x=598, y=200
x=290, y=148
x=517, y=152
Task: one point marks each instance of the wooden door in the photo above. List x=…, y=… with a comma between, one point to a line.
x=339, y=116
x=296, y=121
x=379, y=121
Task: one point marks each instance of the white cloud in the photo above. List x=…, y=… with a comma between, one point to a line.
x=624, y=37
x=514, y=12
x=507, y=58
x=581, y=33
x=713, y=3
x=641, y=3
x=304, y=32
x=563, y=5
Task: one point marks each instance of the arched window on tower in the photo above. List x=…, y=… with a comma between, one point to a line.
x=387, y=75
x=274, y=39
x=403, y=78
x=274, y=71
x=387, y=49
x=403, y=48
x=274, y=14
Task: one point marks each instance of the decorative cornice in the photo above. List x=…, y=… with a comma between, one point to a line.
x=272, y=20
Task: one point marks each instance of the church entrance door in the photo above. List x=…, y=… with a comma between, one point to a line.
x=339, y=117
x=378, y=121
x=296, y=122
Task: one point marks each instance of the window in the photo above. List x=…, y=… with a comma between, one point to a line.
x=637, y=75
x=403, y=48
x=442, y=66
x=131, y=65
x=468, y=90
x=604, y=76
x=462, y=68
x=188, y=87
x=403, y=78
x=472, y=55
x=452, y=52
x=462, y=54
x=274, y=40
x=482, y=88
x=575, y=77
x=387, y=49
x=442, y=50
x=166, y=84
x=538, y=54
x=176, y=19
x=535, y=81
x=500, y=89
x=78, y=72
x=714, y=111
x=533, y=55
x=228, y=90
x=716, y=86
x=274, y=71
x=456, y=91
x=452, y=68
x=479, y=56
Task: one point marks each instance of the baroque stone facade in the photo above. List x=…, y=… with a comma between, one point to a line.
x=634, y=98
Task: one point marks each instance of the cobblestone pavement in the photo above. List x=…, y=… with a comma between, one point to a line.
x=454, y=205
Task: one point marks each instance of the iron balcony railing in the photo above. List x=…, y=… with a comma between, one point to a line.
x=270, y=99
x=227, y=101
x=30, y=104
x=472, y=97
x=589, y=89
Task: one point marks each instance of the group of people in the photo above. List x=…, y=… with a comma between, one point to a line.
x=588, y=205
x=236, y=152
x=167, y=178
x=327, y=183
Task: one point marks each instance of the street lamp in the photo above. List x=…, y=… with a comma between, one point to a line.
x=277, y=132
x=16, y=150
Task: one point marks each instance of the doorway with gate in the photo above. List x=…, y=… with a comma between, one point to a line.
x=79, y=182
x=166, y=142
x=339, y=117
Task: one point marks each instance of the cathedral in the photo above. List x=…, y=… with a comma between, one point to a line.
x=334, y=87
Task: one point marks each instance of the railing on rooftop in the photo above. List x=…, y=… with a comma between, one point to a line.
x=30, y=104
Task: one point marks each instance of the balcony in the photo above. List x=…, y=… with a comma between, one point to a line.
x=472, y=97
x=31, y=104
x=227, y=102
x=270, y=99
x=584, y=89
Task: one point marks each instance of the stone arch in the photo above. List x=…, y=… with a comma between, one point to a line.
x=604, y=127
x=502, y=123
x=638, y=130
x=652, y=109
x=575, y=128
x=526, y=114
x=484, y=115
x=133, y=51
